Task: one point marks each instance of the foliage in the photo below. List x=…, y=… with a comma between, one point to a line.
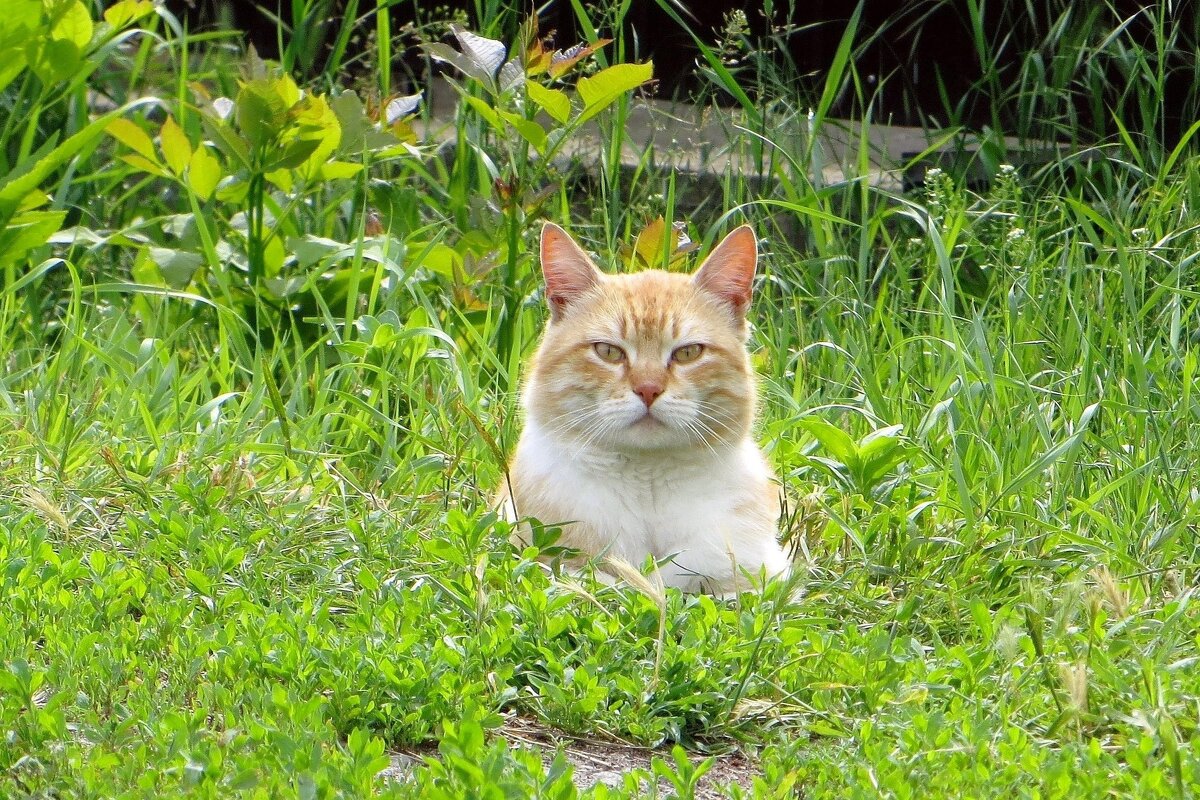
x=253, y=408
x=48, y=51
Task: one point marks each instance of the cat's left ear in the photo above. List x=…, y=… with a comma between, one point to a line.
x=728, y=272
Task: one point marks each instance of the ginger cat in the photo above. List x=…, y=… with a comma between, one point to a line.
x=638, y=412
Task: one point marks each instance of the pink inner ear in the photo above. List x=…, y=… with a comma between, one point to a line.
x=728, y=272
x=568, y=271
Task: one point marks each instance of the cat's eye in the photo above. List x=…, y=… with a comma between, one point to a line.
x=687, y=354
x=609, y=352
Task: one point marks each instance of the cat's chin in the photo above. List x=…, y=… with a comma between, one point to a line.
x=649, y=434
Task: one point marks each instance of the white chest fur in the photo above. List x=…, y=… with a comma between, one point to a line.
x=706, y=512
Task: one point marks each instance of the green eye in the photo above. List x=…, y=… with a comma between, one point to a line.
x=687, y=354
x=609, y=352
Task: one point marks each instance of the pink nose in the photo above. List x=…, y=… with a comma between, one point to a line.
x=648, y=391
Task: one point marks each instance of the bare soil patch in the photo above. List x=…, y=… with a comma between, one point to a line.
x=597, y=760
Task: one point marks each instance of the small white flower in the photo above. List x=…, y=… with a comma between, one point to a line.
x=1015, y=234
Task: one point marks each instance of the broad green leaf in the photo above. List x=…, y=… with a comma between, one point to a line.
x=530, y=131
x=227, y=140
x=53, y=60
x=12, y=63
x=283, y=288
x=274, y=254
x=176, y=266
x=287, y=89
x=552, y=101
x=284, y=179
x=602, y=89
x=198, y=581
x=295, y=154
x=35, y=199
x=145, y=165
x=126, y=11
x=359, y=131
x=261, y=112
x=310, y=249
x=338, y=170
x=74, y=26
x=132, y=136
x=836, y=441
x=204, y=172
x=20, y=17
x=880, y=443
x=176, y=149
x=439, y=258
x=233, y=191
x=27, y=231
x=315, y=120
x=18, y=25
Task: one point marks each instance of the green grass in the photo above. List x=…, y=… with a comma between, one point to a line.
x=245, y=547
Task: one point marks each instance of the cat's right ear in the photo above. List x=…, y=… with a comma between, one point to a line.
x=568, y=271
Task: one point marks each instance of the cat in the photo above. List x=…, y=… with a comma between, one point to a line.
x=638, y=409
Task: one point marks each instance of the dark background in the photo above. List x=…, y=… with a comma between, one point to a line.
x=923, y=51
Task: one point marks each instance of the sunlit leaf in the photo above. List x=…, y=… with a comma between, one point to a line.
x=438, y=258
x=53, y=60
x=648, y=246
x=26, y=231
x=836, y=441
x=176, y=149
x=261, y=112
x=338, y=170
x=295, y=154
x=286, y=88
x=529, y=130
x=132, y=136
x=606, y=86
x=315, y=120
x=74, y=26
x=120, y=14
x=204, y=173
x=21, y=19
x=145, y=164
x=552, y=101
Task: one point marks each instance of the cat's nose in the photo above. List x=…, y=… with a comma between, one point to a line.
x=648, y=391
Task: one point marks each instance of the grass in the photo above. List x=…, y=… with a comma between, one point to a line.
x=245, y=546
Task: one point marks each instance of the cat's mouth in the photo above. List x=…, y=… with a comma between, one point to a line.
x=647, y=420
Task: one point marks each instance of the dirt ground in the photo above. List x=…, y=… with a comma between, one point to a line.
x=598, y=761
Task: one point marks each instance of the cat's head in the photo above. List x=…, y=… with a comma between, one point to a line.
x=650, y=360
